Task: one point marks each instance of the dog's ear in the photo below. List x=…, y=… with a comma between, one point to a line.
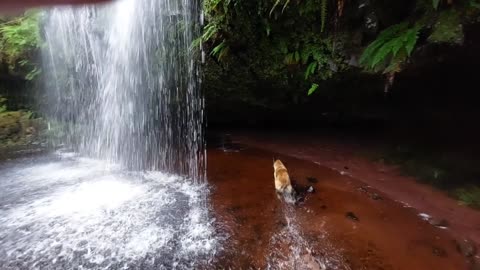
x=274, y=159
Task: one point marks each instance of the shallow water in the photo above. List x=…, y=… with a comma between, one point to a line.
x=63, y=211
x=318, y=233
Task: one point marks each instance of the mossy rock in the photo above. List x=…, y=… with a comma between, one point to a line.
x=16, y=126
x=10, y=125
x=448, y=28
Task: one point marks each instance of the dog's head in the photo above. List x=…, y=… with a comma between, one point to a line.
x=277, y=164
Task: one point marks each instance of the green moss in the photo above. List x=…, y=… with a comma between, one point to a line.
x=457, y=175
x=18, y=127
x=10, y=125
x=469, y=196
x=448, y=28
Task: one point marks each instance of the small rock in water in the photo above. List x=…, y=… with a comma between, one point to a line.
x=323, y=206
x=438, y=222
x=310, y=189
x=351, y=216
x=312, y=180
x=376, y=197
x=363, y=189
x=440, y=252
x=466, y=247
x=346, y=168
x=476, y=263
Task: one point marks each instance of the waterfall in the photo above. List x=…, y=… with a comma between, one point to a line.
x=122, y=82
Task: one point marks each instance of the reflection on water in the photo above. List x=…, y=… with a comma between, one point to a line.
x=67, y=212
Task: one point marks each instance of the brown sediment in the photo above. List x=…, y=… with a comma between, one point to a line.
x=386, y=234
x=342, y=156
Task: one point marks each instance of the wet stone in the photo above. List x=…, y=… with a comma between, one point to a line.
x=363, y=189
x=439, y=252
x=376, y=197
x=312, y=180
x=438, y=222
x=351, y=216
x=475, y=264
x=466, y=247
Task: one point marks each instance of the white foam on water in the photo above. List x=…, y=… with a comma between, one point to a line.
x=424, y=216
x=101, y=219
x=290, y=249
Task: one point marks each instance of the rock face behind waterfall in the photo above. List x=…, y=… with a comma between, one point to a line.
x=124, y=81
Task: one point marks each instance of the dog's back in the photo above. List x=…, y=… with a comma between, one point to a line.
x=282, y=179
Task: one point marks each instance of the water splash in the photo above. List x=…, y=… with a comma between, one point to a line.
x=69, y=212
x=291, y=249
x=122, y=82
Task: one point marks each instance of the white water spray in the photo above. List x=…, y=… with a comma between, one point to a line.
x=122, y=81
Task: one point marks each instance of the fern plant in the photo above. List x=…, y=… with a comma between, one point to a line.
x=323, y=14
x=221, y=50
x=277, y=2
x=391, y=48
x=320, y=60
x=19, y=38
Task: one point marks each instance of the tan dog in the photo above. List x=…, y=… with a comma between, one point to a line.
x=282, y=179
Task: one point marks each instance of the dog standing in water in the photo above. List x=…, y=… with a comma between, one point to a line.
x=282, y=181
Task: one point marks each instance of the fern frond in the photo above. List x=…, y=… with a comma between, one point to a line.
x=210, y=30
x=273, y=8
x=305, y=55
x=221, y=50
x=310, y=70
x=297, y=57
x=289, y=59
x=312, y=89
x=394, y=45
x=285, y=5
x=410, y=39
x=323, y=14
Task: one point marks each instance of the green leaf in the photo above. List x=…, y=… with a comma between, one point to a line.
x=283, y=46
x=304, y=55
x=387, y=48
x=273, y=8
x=312, y=89
x=474, y=4
x=220, y=50
x=435, y=4
x=310, y=69
x=411, y=39
x=289, y=59
x=286, y=4
x=323, y=14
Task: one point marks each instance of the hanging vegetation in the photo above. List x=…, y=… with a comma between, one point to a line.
x=303, y=43
x=19, y=41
